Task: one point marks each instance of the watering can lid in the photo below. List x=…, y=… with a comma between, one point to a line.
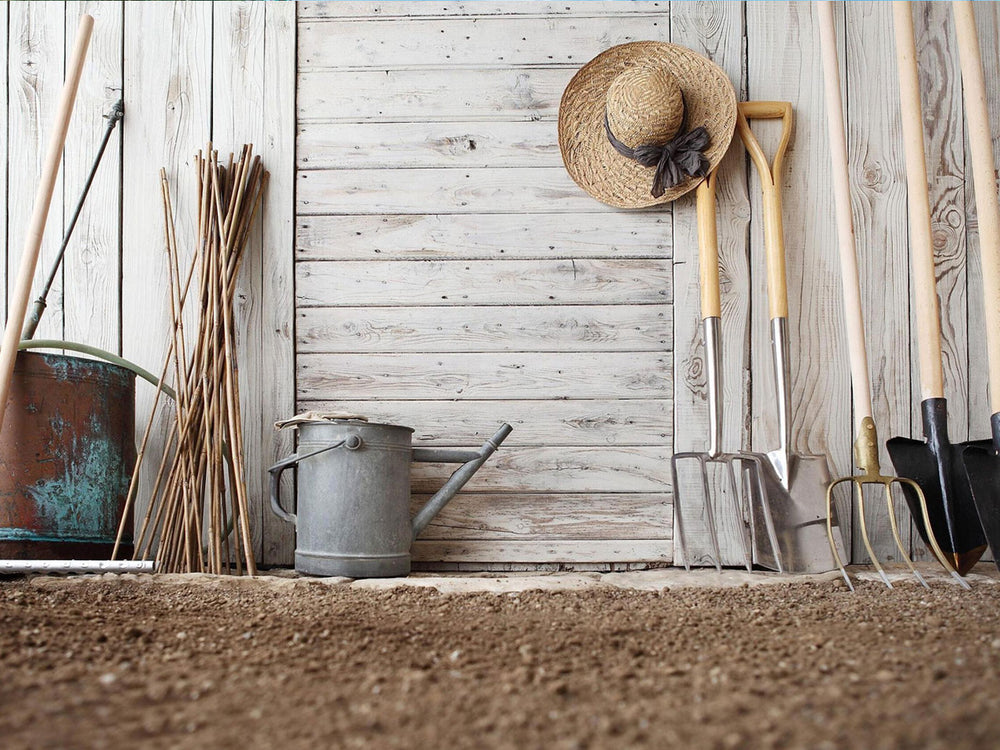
x=315, y=416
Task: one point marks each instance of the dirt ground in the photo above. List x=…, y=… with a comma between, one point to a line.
x=107, y=662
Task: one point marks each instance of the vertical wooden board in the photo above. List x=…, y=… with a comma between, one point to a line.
x=944, y=118
x=277, y=323
x=237, y=106
x=4, y=93
x=715, y=30
x=988, y=27
x=91, y=265
x=784, y=64
x=168, y=63
x=878, y=189
x=35, y=76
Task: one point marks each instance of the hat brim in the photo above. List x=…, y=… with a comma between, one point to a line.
x=591, y=160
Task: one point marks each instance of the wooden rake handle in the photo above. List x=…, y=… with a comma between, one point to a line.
x=770, y=180
x=921, y=248
x=43, y=197
x=708, y=249
x=849, y=277
x=987, y=205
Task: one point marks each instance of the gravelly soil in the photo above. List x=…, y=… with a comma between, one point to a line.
x=107, y=663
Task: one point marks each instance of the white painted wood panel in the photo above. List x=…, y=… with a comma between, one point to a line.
x=502, y=376
x=426, y=283
x=591, y=422
x=35, y=65
x=543, y=551
x=401, y=9
x=497, y=41
x=515, y=190
x=489, y=236
x=277, y=381
x=484, y=329
x=92, y=263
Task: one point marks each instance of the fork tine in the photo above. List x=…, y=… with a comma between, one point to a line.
x=895, y=533
x=829, y=531
x=678, y=521
x=737, y=493
x=713, y=532
x=930, y=533
x=864, y=533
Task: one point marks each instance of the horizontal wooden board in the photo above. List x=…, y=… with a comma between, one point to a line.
x=445, y=145
x=511, y=328
x=454, y=41
x=450, y=191
x=506, y=282
x=405, y=10
x=555, y=422
x=429, y=95
x=475, y=515
x=487, y=236
x=368, y=377
x=642, y=468
x=544, y=550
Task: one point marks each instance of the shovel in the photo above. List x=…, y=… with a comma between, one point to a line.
x=796, y=483
x=982, y=464
x=749, y=464
x=935, y=464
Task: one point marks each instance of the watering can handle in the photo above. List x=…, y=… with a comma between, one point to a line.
x=352, y=442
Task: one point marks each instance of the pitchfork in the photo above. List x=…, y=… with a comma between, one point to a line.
x=866, y=441
x=750, y=465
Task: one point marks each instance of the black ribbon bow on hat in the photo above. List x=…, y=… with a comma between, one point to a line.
x=674, y=161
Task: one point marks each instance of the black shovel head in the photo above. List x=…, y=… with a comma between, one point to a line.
x=937, y=466
x=982, y=467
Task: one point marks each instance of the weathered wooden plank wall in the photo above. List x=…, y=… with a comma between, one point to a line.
x=188, y=72
x=436, y=233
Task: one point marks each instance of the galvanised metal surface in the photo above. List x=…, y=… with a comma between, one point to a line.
x=66, y=456
x=353, y=495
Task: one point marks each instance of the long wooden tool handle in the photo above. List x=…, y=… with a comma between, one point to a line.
x=708, y=249
x=849, y=278
x=987, y=205
x=770, y=180
x=43, y=197
x=921, y=249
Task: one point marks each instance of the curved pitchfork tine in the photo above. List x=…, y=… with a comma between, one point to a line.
x=829, y=530
x=895, y=534
x=935, y=548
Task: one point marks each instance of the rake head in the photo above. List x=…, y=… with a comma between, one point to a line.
x=747, y=496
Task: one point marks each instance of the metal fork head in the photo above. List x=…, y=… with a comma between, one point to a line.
x=875, y=478
x=745, y=494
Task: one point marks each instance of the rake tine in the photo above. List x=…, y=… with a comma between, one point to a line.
x=677, y=515
x=895, y=534
x=935, y=548
x=829, y=532
x=864, y=533
x=737, y=493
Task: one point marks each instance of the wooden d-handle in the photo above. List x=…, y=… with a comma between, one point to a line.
x=987, y=206
x=708, y=249
x=770, y=180
x=43, y=197
x=921, y=250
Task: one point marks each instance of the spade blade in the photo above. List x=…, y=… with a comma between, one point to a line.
x=982, y=468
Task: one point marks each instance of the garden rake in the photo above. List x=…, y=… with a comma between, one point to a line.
x=749, y=487
x=982, y=464
x=866, y=440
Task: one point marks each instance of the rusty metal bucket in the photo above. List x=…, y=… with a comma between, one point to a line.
x=66, y=456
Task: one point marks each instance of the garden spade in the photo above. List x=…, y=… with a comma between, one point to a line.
x=982, y=464
x=866, y=436
x=743, y=470
x=796, y=483
x=935, y=464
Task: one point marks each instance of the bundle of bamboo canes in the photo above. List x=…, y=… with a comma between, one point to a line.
x=198, y=507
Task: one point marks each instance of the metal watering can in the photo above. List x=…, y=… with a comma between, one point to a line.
x=353, y=495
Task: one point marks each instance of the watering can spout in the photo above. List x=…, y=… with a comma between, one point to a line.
x=470, y=460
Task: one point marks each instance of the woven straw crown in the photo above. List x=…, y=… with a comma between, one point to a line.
x=649, y=92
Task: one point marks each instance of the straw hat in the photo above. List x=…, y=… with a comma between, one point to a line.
x=669, y=107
